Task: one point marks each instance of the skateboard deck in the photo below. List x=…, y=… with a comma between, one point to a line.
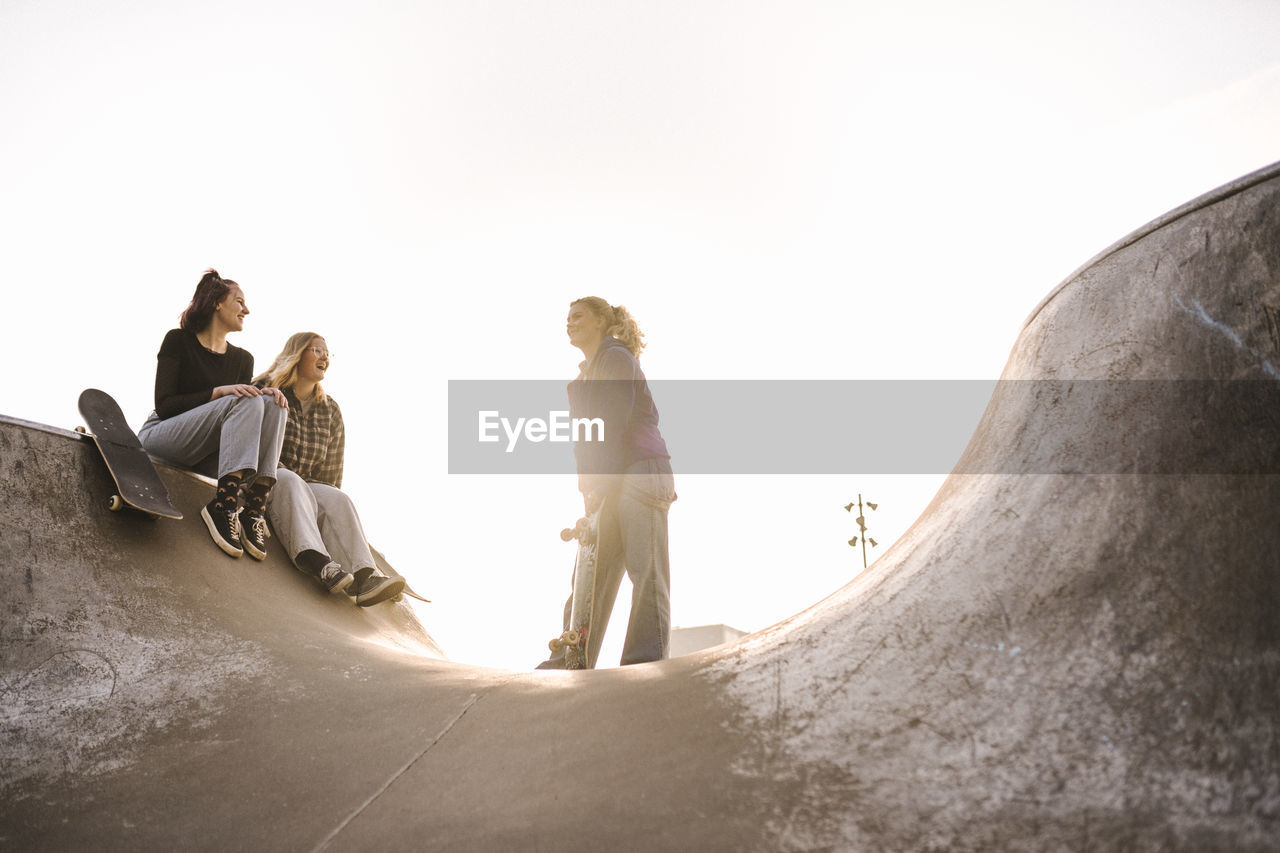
x=584, y=619
x=138, y=484
x=390, y=571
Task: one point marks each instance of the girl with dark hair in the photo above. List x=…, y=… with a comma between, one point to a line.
x=626, y=477
x=205, y=404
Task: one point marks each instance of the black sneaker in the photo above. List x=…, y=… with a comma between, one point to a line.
x=254, y=534
x=335, y=578
x=374, y=589
x=360, y=575
x=224, y=527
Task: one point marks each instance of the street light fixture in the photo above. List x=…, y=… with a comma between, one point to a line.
x=862, y=526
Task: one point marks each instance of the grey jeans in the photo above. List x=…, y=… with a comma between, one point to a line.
x=318, y=517
x=633, y=536
x=245, y=432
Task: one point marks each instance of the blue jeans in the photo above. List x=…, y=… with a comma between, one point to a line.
x=633, y=536
x=246, y=433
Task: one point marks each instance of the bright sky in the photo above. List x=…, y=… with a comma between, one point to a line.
x=777, y=190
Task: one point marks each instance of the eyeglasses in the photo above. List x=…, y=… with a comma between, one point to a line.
x=321, y=353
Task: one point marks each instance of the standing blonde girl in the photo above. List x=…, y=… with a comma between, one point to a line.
x=627, y=476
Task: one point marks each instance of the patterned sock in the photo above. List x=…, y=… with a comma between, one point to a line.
x=255, y=497
x=228, y=496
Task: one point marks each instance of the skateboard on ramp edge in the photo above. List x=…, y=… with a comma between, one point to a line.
x=138, y=484
x=390, y=571
x=583, y=615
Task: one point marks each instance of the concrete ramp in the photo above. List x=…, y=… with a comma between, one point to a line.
x=1077, y=645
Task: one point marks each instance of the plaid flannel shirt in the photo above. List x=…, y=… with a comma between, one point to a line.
x=314, y=443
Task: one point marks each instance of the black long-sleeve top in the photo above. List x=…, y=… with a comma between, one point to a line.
x=187, y=373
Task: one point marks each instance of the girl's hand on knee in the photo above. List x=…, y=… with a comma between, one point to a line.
x=278, y=396
x=236, y=390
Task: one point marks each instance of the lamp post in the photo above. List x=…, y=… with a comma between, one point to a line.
x=862, y=527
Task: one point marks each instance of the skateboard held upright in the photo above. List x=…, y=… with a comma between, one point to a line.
x=583, y=617
x=138, y=485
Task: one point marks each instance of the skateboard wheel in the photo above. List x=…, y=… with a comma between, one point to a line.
x=82, y=430
x=115, y=503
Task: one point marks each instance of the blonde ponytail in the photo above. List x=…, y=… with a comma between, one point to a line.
x=619, y=322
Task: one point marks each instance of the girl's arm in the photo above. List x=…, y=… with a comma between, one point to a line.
x=611, y=396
